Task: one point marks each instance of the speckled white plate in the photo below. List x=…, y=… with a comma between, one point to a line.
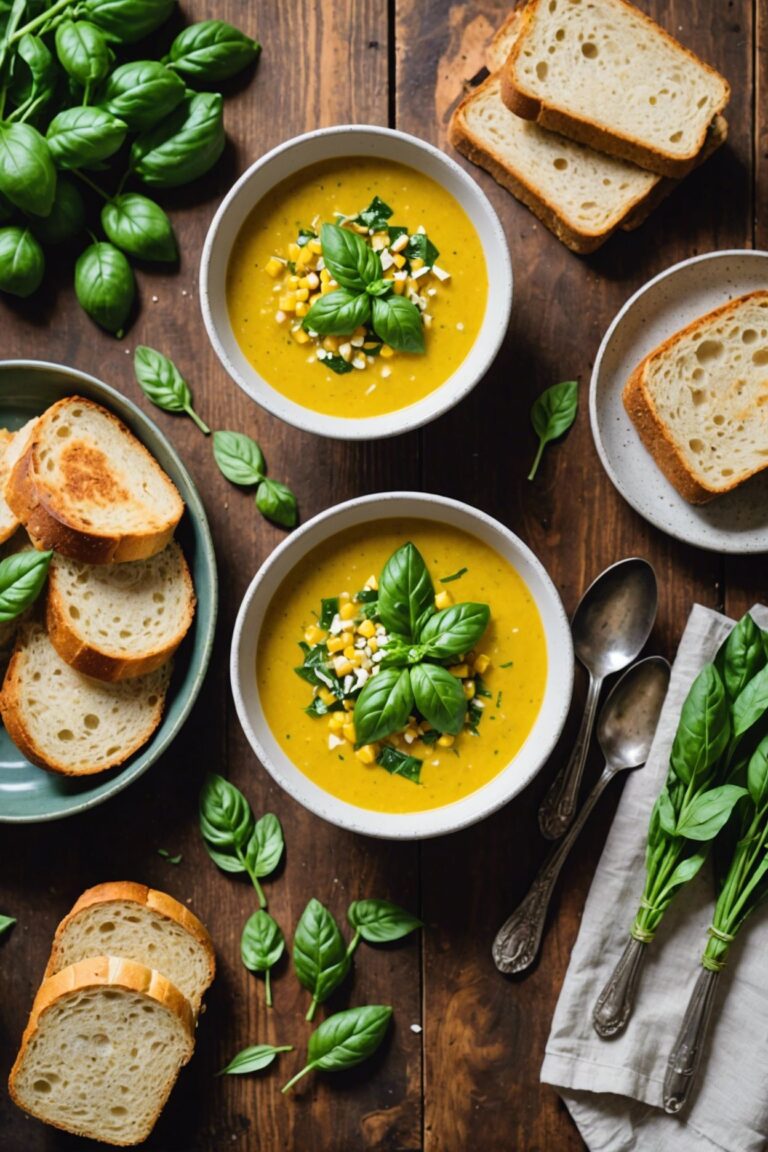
x=737, y=522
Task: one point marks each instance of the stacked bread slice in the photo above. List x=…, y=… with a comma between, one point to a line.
x=113, y=1021
x=591, y=115
x=86, y=683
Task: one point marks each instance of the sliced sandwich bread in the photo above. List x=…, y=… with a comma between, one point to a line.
x=105, y=1041
x=85, y=486
x=116, y=621
x=71, y=723
x=700, y=400
x=137, y=923
x=603, y=73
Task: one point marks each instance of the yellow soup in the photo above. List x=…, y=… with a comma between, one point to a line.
x=273, y=339
x=514, y=679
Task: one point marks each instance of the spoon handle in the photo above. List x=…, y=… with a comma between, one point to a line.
x=517, y=941
x=685, y=1056
x=615, y=1003
x=559, y=804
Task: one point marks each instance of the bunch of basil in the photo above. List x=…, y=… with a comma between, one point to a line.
x=69, y=107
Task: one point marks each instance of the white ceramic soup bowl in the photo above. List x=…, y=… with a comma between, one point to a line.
x=547, y=726
x=332, y=143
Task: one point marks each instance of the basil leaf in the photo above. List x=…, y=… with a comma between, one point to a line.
x=708, y=812
x=380, y=288
x=379, y=921
x=406, y=593
x=127, y=20
x=338, y=313
x=105, y=286
x=265, y=847
x=66, y=218
x=163, y=384
x=319, y=953
x=552, y=414
x=751, y=704
x=140, y=227
x=27, y=173
x=375, y=216
x=439, y=697
x=22, y=577
x=420, y=247
x=351, y=262
x=82, y=51
x=345, y=1040
x=239, y=458
x=42, y=71
x=276, y=501
x=6, y=922
x=305, y=235
x=397, y=763
x=184, y=145
x=704, y=728
x=741, y=657
x=397, y=322
x=211, y=51
x=454, y=576
x=684, y=872
x=22, y=263
x=226, y=822
x=262, y=942
x=329, y=606
x=383, y=706
x=142, y=92
x=253, y=1059
x=665, y=811
x=454, y=630
x=757, y=774
x=81, y=137
x=337, y=364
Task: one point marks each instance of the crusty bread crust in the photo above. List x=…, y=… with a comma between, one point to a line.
x=47, y=521
x=558, y=119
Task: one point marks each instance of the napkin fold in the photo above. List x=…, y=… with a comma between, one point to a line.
x=612, y=1088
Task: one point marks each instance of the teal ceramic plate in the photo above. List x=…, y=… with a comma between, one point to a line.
x=29, y=794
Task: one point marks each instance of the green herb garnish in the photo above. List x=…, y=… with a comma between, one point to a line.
x=552, y=414
x=329, y=608
x=453, y=576
x=234, y=839
x=345, y=1040
x=336, y=364
x=400, y=764
x=375, y=216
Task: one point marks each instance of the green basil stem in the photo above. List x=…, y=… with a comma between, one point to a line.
x=267, y=989
x=537, y=459
x=733, y=903
x=287, y=1087
x=24, y=111
x=10, y=34
x=200, y=423
x=94, y=188
x=59, y=6
x=254, y=878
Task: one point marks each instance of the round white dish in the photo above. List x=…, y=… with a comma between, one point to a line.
x=511, y=779
x=281, y=163
x=734, y=523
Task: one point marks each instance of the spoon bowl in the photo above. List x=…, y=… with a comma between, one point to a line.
x=630, y=715
x=615, y=616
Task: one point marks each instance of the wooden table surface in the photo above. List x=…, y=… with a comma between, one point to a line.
x=470, y=1070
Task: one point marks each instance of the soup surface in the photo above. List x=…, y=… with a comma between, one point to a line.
x=456, y=305
x=514, y=680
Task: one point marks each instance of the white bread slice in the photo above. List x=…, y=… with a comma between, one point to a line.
x=85, y=486
x=116, y=621
x=12, y=444
x=18, y=542
x=105, y=1041
x=605, y=74
x=71, y=723
x=137, y=923
x=700, y=400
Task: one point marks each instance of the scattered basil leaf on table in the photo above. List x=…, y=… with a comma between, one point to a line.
x=105, y=286
x=320, y=957
x=126, y=20
x=240, y=459
x=142, y=93
x=253, y=1059
x=140, y=227
x=276, y=501
x=22, y=577
x=27, y=172
x=265, y=847
x=22, y=261
x=6, y=922
x=439, y=697
x=261, y=946
x=552, y=414
x=210, y=52
x=233, y=838
x=83, y=51
x=379, y=921
x=162, y=383
x=345, y=1040
x=184, y=145
x=81, y=137
x=66, y=218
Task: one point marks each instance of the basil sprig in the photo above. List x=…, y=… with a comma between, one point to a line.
x=552, y=414
x=345, y=1040
x=253, y=1059
x=163, y=384
x=363, y=297
x=22, y=577
x=261, y=947
x=241, y=460
x=234, y=839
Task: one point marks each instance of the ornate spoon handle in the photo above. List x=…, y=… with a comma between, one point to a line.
x=517, y=941
x=685, y=1056
x=615, y=1003
x=559, y=804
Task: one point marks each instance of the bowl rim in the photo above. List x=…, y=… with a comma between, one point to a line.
x=125, y=775
x=426, y=409
x=468, y=810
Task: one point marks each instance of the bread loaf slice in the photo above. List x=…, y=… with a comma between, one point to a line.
x=603, y=73
x=137, y=923
x=85, y=486
x=116, y=621
x=12, y=444
x=700, y=400
x=68, y=722
x=105, y=1041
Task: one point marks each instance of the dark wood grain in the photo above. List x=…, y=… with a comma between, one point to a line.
x=472, y=1075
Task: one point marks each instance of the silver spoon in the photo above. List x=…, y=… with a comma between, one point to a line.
x=625, y=732
x=611, y=624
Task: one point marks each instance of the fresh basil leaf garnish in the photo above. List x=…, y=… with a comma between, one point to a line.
x=239, y=458
x=276, y=501
x=420, y=247
x=380, y=288
x=351, y=262
x=439, y=697
x=384, y=705
x=319, y=954
x=328, y=609
x=163, y=384
x=261, y=946
x=454, y=630
x=398, y=763
x=337, y=364
x=397, y=322
x=375, y=216
x=338, y=313
x=305, y=235
x=454, y=576
x=253, y=1059
x=406, y=593
x=380, y=922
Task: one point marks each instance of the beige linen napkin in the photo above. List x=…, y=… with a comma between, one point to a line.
x=613, y=1087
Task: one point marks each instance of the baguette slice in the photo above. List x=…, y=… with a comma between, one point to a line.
x=85, y=486
x=137, y=923
x=105, y=1041
x=700, y=400
x=12, y=444
x=116, y=621
x=70, y=723
x=603, y=73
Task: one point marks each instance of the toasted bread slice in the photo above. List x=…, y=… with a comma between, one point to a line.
x=68, y=722
x=105, y=1041
x=603, y=73
x=137, y=923
x=85, y=486
x=117, y=621
x=700, y=400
